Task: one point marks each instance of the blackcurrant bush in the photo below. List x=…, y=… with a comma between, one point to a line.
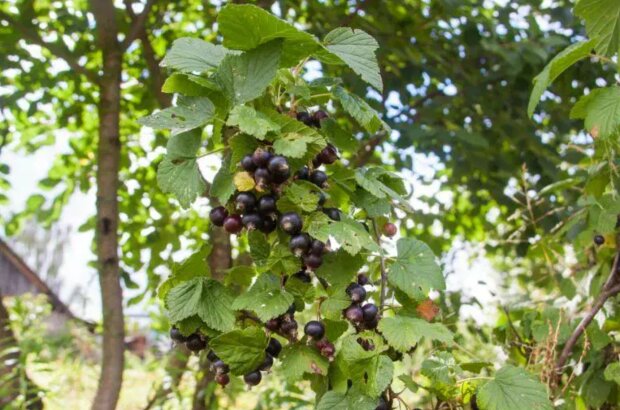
x=217, y=215
x=247, y=163
x=253, y=378
x=304, y=117
x=245, y=202
x=278, y=165
x=273, y=324
x=332, y=213
x=389, y=229
x=252, y=221
x=222, y=379
x=261, y=157
x=299, y=244
x=303, y=276
x=354, y=313
x=267, y=363
x=291, y=223
x=317, y=247
x=303, y=173
x=177, y=336
x=220, y=366
x=370, y=312
x=315, y=329
x=328, y=155
x=195, y=343
x=269, y=224
x=233, y=224
x=362, y=279
x=313, y=261
x=274, y=348
x=267, y=205
x=356, y=292
x=212, y=357
x=318, y=178
x=599, y=239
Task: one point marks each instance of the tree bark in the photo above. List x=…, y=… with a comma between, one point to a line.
x=108, y=160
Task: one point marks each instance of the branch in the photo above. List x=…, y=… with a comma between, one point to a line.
x=610, y=289
x=137, y=22
x=58, y=49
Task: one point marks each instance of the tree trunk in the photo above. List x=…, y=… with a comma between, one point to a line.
x=109, y=152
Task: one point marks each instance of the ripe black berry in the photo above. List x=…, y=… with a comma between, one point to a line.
x=370, y=312
x=303, y=276
x=291, y=309
x=313, y=261
x=389, y=229
x=267, y=204
x=356, y=292
x=362, y=279
x=217, y=215
x=318, y=178
x=317, y=247
x=315, y=329
x=247, y=163
x=263, y=178
x=261, y=157
x=599, y=239
x=354, y=313
x=291, y=223
x=220, y=366
x=383, y=405
x=273, y=324
x=245, y=202
x=304, y=117
x=332, y=213
x=212, y=357
x=222, y=379
x=299, y=244
x=252, y=221
x=278, y=165
x=320, y=115
x=253, y=378
x=269, y=224
x=327, y=349
x=328, y=155
x=289, y=326
x=195, y=343
x=267, y=363
x=303, y=173
x=176, y=336
x=233, y=224
x=372, y=324
x=274, y=348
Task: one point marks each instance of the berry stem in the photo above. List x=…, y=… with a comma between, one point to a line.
x=214, y=151
x=384, y=278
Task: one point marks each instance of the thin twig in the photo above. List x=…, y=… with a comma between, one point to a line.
x=137, y=22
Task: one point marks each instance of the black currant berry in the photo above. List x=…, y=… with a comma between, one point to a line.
x=383, y=405
x=327, y=349
x=362, y=279
x=245, y=202
x=303, y=173
x=317, y=247
x=233, y=224
x=278, y=165
x=267, y=204
x=177, y=336
x=253, y=378
x=328, y=155
x=267, y=363
x=212, y=357
x=322, y=199
x=217, y=215
x=273, y=324
x=303, y=276
x=274, y=348
x=247, y=163
x=389, y=229
x=269, y=224
x=320, y=115
x=474, y=403
x=299, y=244
x=289, y=326
x=318, y=178
x=332, y=213
x=370, y=312
x=354, y=313
x=262, y=178
x=599, y=239
x=222, y=379
x=291, y=223
x=313, y=261
x=372, y=324
x=261, y=157
x=220, y=366
x=252, y=221
x=291, y=309
x=356, y=292
x=195, y=343
x=304, y=117
x=315, y=330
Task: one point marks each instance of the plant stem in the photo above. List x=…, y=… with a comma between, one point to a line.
x=383, y=293
x=211, y=152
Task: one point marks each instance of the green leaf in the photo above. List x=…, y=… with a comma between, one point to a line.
x=350, y=234
x=292, y=145
x=181, y=178
x=259, y=247
x=245, y=27
x=299, y=359
x=281, y=261
x=415, y=270
x=340, y=267
x=244, y=77
x=242, y=350
x=251, y=121
x=241, y=145
x=403, y=332
x=513, y=389
x=601, y=111
x=357, y=49
x=180, y=83
x=193, y=55
x=194, y=266
x=301, y=195
x=184, y=146
x=559, y=64
x=612, y=372
x=383, y=184
x=359, y=109
x=223, y=186
x=441, y=368
x=190, y=112
x=207, y=298
x=343, y=140
x=602, y=19
x=380, y=372
x=266, y=298
x=352, y=400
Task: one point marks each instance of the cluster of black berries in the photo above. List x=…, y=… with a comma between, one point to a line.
x=252, y=213
x=312, y=120
x=271, y=352
x=361, y=316
x=194, y=342
x=315, y=330
x=220, y=368
x=285, y=324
